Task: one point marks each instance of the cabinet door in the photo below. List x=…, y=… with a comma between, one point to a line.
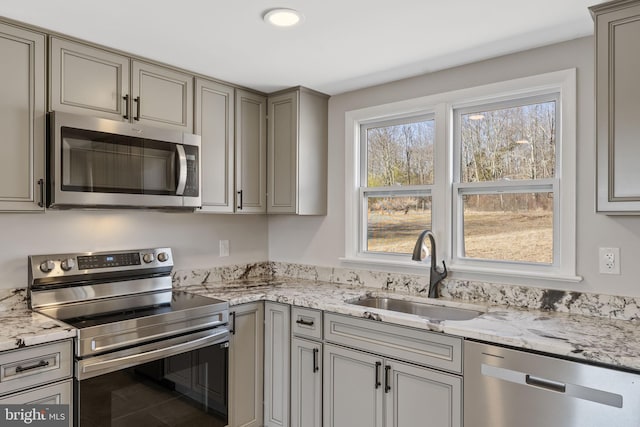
x=87, y=80
x=214, y=123
x=246, y=366
x=162, y=97
x=277, y=340
x=251, y=152
x=414, y=394
x=352, y=388
x=618, y=106
x=282, y=153
x=306, y=383
x=22, y=122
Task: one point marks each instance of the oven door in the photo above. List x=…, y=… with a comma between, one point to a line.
x=98, y=162
x=178, y=382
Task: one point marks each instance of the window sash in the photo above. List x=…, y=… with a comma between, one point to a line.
x=496, y=188
x=364, y=193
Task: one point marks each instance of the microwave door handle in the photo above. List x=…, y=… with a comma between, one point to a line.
x=182, y=170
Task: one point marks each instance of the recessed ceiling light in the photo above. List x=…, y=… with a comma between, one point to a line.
x=283, y=17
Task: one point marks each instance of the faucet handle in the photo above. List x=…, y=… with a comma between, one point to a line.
x=443, y=274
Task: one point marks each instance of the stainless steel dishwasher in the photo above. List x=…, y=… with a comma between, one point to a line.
x=510, y=388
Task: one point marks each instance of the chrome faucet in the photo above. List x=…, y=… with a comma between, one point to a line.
x=419, y=253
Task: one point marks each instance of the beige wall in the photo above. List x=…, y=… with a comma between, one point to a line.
x=194, y=238
x=321, y=240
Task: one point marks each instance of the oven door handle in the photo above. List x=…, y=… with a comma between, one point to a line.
x=87, y=368
x=182, y=170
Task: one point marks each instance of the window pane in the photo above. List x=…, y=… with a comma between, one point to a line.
x=394, y=223
x=400, y=154
x=509, y=227
x=509, y=143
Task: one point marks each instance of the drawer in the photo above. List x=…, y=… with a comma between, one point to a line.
x=31, y=366
x=60, y=393
x=409, y=344
x=306, y=322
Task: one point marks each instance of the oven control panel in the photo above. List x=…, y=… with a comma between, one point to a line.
x=108, y=260
x=49, y=267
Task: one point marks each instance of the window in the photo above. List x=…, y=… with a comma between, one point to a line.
x=490, y=169
x=396, y=180
x=505, y=181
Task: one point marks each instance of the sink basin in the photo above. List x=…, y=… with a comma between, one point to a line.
x=429, y=311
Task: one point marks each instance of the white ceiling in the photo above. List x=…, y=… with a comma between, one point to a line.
x=341, y=46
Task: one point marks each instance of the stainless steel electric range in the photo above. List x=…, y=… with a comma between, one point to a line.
x=144, y=354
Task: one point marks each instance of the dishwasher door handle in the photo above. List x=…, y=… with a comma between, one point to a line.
x=574, y=390
x=544, y=383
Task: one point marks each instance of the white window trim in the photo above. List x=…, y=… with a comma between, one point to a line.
x=442, y=105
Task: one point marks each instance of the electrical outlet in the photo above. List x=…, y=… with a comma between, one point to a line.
x=609, y=260
x=224, y=248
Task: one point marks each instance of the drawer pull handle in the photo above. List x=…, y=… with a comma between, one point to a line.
x=377, y=383
x=304, y=322
x=41, y=364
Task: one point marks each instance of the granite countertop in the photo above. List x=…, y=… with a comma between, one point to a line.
x=21, y=327
x=589, y=338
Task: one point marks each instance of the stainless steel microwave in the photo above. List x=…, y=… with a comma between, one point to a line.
x=99, y=163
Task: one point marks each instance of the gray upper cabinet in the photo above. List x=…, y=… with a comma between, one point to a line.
x=617, y=28
x=87, y=80
x=161, y=97
x=214, y=122
x=22, y=122
x=297, y=155
x=251, y=152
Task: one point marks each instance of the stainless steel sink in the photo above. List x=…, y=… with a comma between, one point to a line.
x=429, y=311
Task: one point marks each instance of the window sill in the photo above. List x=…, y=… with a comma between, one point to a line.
x=464, y=272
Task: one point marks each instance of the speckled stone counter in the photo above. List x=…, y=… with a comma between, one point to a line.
x=590, y=338
x=20, y=327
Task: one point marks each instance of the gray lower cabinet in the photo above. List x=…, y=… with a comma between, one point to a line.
x=306, y=367
x=22, y=122
x=88, y=80
x=353, y=394
x=277, y=342
x=378, y=374
x=617, y=31
x=246, y=369
x=251, y=152
x=297, y=155
x=363, y=390
x=214, y=122
x=38, y=375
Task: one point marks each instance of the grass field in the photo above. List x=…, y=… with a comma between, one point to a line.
x=510, y=236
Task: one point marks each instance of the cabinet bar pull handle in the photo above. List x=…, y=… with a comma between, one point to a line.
x=41, y=364
x=316, y=368
x=232, y=329
x=387, y=380
x=41, y=185
x=137, y=101
x=126, y=107
x=240, y=194
x=304, y=322
x=377, y=383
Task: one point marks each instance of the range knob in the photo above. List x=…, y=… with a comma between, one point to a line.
x=67, y=264
x=148, y=258
x=163, y=256
x=47, y=266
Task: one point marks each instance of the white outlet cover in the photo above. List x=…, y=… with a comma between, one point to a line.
x=609, y=260
x=224, y=248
